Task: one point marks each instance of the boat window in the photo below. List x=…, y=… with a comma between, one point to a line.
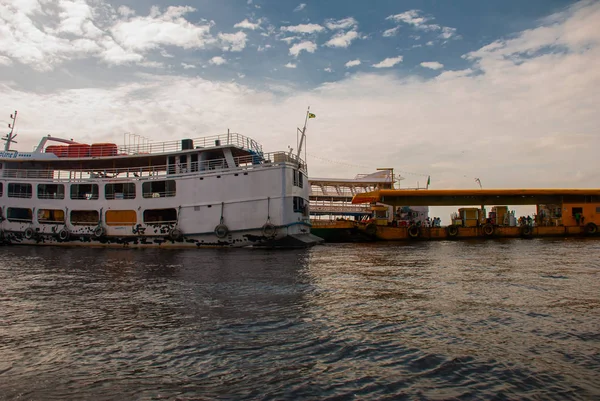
x=182, y=166
x=19, y=214
x=51, y=191
x=299, y=204
x=85, y=217
x=84, y=191
x=19, y=190
x=576, y=210
x=158, y=189
x=51, y=216
x=121, y=217
x=298, y=179
x=120, y=191
x=171, y=165
x=194, y=162
x=160, y=216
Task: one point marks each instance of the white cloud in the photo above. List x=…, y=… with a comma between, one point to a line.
x=125, y=11
x=342, y=39
x=245, y=24
x=263, y=48
x=415, y=19
x=234, y=42
x=300, y=7
x=390, y=32
x=303, y=28
x=157, y=29
x=290, y=65
x=328, y=69
x=24, y=39
x=434, y=65
x=290, y=39
x=48, y=33
x=411, y=17
x=353, y=63
x=447, y=32
x=74, y=17
x=307, y=46
x=187, y=66
x=217, y=60
x=388, y=62
x=114, y=54
x=344, y=23
x=5, y=61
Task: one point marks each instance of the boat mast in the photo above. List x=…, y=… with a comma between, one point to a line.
x=303, y=137
x=10, y=136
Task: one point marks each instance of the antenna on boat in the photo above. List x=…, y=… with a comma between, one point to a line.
x=303, y=132
x=10, y=137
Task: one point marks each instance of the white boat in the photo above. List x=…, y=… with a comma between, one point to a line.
x=216, y=191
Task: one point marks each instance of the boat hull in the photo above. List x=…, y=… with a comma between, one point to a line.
x=294, y=236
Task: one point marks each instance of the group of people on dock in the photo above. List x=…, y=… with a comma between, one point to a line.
x=526, y=221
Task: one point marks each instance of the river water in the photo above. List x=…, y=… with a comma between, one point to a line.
x=498, y=319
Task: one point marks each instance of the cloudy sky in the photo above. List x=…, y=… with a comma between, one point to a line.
x=505, y=91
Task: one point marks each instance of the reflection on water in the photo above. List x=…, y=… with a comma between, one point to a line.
x=508, y=319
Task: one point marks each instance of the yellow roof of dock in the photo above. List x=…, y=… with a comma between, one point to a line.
x=476, y=197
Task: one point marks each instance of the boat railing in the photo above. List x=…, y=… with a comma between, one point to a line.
x=156, y=172
x=329, y=207
x=315, y=222
x=229, y=139
x=332, y=192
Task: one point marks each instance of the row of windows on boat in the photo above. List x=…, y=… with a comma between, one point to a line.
x=91, y=217
x=111, y=217
x=127, y=190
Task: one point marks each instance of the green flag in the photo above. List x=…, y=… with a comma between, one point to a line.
x=311, y=115
x=428, y=180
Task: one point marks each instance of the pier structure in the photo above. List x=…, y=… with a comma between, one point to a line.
x=559, y=212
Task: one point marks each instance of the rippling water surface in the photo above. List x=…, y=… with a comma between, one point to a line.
x=515, y=319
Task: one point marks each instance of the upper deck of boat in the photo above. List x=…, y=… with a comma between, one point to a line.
x=219, y=153
x=152, y=154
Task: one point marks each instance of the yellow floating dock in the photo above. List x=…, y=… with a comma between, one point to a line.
x=561, y=212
